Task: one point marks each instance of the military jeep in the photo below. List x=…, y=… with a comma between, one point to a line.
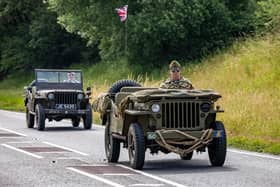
x=166, y=120
x=57, y=95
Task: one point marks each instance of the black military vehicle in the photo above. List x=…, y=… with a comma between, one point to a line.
x=57, y=95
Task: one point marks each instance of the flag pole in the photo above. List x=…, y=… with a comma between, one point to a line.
x=126, y=37
x=126, y=30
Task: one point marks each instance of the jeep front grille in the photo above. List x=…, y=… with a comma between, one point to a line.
x=65, y=98
x=182, y=115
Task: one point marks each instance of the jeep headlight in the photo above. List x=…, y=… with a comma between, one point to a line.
x=205, y=107
x=80, y=96
x=155, y=108
x=51, y=96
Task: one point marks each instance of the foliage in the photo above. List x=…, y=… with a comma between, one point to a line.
x=157, y=30
x=31, y=38
x=269, y=15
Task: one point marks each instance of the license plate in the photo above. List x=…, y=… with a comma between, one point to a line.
x=65, y=106
x=151, y=135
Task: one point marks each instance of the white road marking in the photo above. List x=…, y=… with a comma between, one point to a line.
x=68, y=158
x=106, y=181
x=22, y=151
x=154, y=177
x=253, y=154
x=19, y=142
x=66, y=148
x=117, y=174
x=146, y=185
x=11, y=137
x=8, y=130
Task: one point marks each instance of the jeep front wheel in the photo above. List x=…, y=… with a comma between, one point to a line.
x=40, y=117
x=29, y=119
x=112, y=145
x=136, y=146
x=87, y=118
x=217, y=149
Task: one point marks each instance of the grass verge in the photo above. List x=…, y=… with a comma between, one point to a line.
x=247, y=75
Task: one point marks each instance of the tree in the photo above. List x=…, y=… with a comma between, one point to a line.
x=158, y=30
x=31, y=38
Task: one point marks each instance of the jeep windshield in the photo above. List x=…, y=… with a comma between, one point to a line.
x=48, y=79
x=68, y=77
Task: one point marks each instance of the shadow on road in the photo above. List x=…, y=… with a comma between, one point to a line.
x=65, y=128
x=172, y=166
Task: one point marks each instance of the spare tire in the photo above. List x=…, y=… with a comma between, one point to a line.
x=117, y=86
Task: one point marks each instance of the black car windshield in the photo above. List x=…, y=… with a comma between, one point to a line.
x=58, y=76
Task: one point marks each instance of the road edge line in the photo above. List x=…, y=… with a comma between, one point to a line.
x=106, y=181
x=255, y=154
x=22, y=151
x=66, y=148
x=14, y=132
x=154, y=177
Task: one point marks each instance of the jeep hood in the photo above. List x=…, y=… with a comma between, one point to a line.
x=45, y=92
x=153, y=94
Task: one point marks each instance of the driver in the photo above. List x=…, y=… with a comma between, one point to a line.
x=176, y=81
x=71, y=78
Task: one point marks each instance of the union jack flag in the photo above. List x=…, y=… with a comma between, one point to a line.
x=122, y=12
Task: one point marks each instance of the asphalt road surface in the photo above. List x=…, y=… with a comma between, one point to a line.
x=66, y=156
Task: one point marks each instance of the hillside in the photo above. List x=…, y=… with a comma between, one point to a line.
x=247, y=75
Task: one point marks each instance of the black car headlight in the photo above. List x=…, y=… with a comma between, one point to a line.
x=50, y=96
x=205, y=107
x=80, y=96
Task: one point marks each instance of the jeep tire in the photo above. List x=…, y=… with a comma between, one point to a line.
x=217, y=149
x=40, y=117
x=187, y=156
x=29, y=118
x=87, y=118
x=136, y=146
x=112, y=145
x=117, y=86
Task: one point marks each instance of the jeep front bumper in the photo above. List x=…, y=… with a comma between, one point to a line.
x=57, y=111
x=184, y=142
x=174, y=135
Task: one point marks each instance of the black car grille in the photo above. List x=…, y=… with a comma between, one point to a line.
x=181, y=115
x=65, y=98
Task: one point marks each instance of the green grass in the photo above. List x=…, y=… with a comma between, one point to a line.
x=11, y=91
x=11, y=100
x=246, y=74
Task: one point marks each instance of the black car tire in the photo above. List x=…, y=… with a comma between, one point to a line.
x=217, y=149
x=136, y=146
x=76, y=121
x=29, y=118
x=40, y=117
x=187, y=157
x=112, y=145
x=87, y=118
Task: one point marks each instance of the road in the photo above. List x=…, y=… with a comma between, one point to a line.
x=66, y=156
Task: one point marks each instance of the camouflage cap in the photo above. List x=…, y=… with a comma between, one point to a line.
x=174, y=64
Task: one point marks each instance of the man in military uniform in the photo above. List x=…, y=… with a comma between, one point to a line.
x=176, y=81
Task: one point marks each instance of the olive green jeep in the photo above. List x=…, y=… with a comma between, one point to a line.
x=56, y=95
x=167, y=120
